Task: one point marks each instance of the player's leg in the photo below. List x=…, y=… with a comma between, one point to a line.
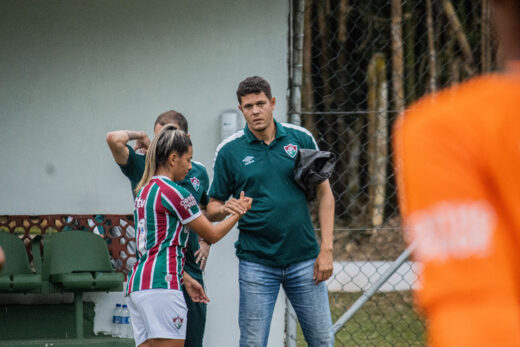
x=310, y=302
x=165, y=343
x=259, y=287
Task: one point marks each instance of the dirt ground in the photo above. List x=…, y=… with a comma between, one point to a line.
x=385, y=243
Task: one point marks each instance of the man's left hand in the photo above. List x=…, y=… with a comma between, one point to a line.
x=202, y=254
x=323, y=267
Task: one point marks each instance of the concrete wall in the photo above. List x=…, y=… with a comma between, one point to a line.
x=72, y=70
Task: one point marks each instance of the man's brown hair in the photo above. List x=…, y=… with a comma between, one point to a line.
x=253, y=85
x=172, y=116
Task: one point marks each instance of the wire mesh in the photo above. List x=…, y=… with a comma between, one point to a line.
x=363, y=63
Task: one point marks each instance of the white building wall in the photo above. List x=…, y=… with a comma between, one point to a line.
x=71, y=71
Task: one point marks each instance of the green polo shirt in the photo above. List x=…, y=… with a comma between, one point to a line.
x=277, y=230
x=196, y=182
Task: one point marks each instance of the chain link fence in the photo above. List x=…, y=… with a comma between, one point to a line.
x=355, y=65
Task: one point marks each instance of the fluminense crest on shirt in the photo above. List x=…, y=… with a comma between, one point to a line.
x=248, y=160
x=291, y=150
x=195, y=183
x=177, y=321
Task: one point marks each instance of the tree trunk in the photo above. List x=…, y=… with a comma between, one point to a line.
x=455, y=71
x=352, y=195
x=377, y=137
x=342, y=146
x=397, y=55
x=307, y=93
x=409, y=35
x=432, y=60
x=323, y=12
x=485, y=40
x=456, y=26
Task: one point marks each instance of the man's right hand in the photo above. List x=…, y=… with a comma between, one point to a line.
x=142, y=144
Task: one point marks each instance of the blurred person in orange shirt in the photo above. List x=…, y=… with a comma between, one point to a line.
x=458, y=172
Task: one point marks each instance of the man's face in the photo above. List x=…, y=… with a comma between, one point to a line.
x=158, y=127
x=257, y=110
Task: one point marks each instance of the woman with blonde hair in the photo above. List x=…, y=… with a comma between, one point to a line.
x=163, y=212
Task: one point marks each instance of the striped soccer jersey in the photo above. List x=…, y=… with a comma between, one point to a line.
x=162, y=207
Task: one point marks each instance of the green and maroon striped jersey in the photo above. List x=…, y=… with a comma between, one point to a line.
x=162, y=208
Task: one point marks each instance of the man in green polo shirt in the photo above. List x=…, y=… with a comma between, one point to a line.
x=276, y=244
x=132, y=163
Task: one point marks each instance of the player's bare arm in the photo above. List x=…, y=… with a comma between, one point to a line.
x=214, y=232
x=117, y=141
x=323, y=267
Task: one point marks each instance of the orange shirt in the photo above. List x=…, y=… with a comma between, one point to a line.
x=458, y=172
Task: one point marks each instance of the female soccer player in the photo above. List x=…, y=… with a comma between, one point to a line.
x=163, y=211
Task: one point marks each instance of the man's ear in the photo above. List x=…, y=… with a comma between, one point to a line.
x=240, y=108
x=273, y=101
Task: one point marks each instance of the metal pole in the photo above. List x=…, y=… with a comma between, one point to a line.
x=373, y=289
x=296, y=13
x=297, y=61
x=290, y=324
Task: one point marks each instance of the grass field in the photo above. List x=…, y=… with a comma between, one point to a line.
x=388, y=319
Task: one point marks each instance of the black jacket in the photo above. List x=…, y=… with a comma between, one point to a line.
x=312, y=167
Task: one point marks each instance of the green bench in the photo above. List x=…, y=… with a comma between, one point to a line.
x=73, y=261
x=17, y=275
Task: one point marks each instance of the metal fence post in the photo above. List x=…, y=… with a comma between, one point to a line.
x=290, y=324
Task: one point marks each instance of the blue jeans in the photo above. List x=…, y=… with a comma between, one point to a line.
x=259, y=287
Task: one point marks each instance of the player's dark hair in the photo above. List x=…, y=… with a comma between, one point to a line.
x=253, y=85
x=172, y=116
x=169, y=140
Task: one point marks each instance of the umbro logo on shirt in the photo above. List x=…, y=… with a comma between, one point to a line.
x=248, y=160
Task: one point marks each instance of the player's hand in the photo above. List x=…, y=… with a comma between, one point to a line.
x=202, y=254
x=195, y=290
x=323, y=266
x=142, y=144
x=235, y=206
x=245, y=202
